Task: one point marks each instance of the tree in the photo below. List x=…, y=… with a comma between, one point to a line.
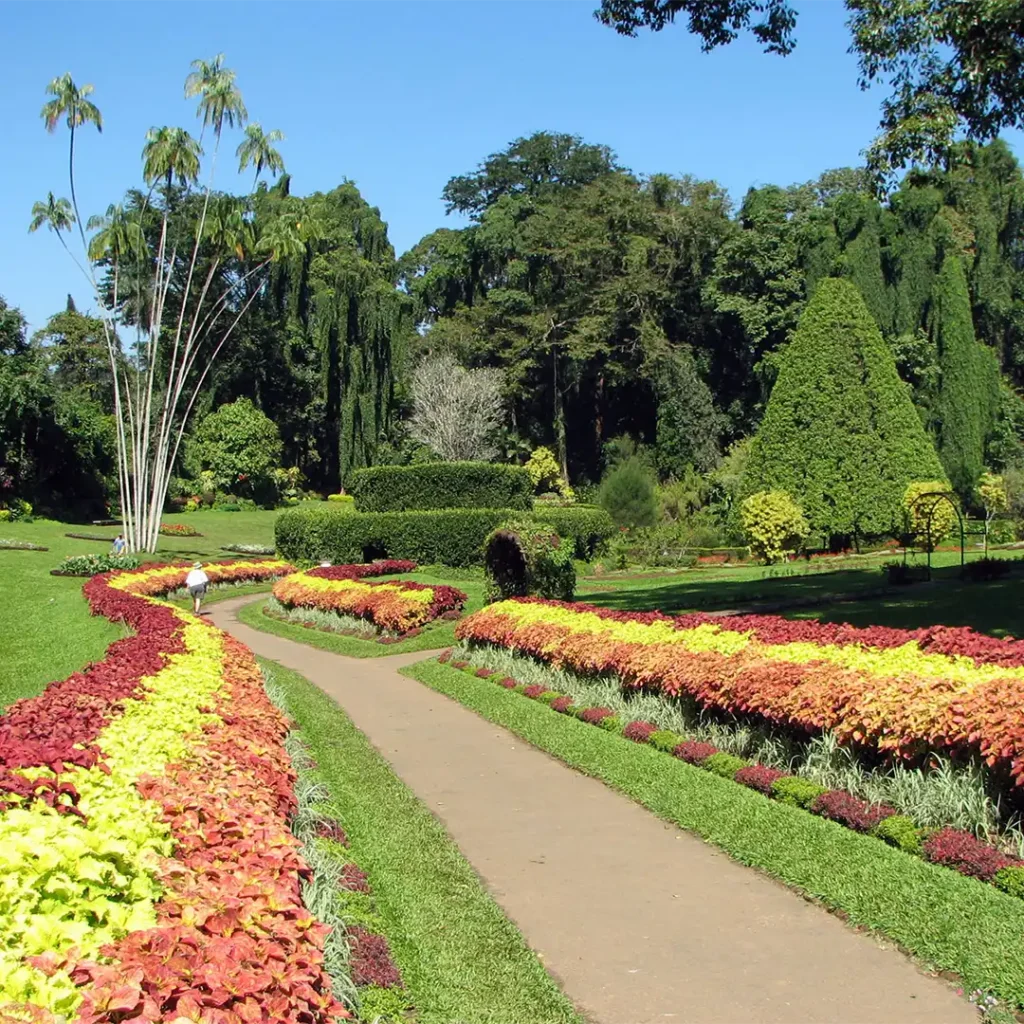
x=968, y=381
x=155, y=390
x=994, y=499
x=241, y=447
x=627, y=493
x=455, y=412
x=952, y=66
x=689, y=425
x=257, y=148
x=774, y=525
x=840, y=433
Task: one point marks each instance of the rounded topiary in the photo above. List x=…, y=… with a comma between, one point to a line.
x=796, y=792
x=774, y=525
x=901, y=832
x=523, y=558
x=925, y=507
x=725, y=765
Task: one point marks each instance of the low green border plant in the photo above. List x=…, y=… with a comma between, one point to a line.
x=947, y=920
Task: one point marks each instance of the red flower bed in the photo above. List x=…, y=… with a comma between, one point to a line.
x=850, y=810
x=964, y=853
x=359, y=571
x=759, y=777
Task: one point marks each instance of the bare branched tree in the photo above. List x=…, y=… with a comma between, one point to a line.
x=179, y=332
x=456, y=411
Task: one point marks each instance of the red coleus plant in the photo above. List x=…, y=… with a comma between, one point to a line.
x=758, y=776
x=593, y=716
x=694, y=751
x=966, y=854
x=639, y=732
x=850, y=810
x=370, y=959
x=361, y=570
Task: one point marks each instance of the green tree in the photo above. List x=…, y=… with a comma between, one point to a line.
x=773, y=525
x=951, y=66
x=840, y=433
x=257, y=148
x=968, y=381
x=628, y=493
x=241, y=447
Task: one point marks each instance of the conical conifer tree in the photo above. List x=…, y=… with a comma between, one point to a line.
x=969, y=381
x=840, y=433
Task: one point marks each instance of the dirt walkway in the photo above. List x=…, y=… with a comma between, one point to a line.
x=638, y=921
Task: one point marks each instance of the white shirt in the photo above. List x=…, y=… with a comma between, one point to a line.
x=196, y=578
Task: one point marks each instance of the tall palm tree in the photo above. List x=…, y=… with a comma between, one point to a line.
x=170, y=153
x=118, y=234
x=219, y=98
x=257, y=148
x=226, y=228
x=72, y=102
x=55, y=214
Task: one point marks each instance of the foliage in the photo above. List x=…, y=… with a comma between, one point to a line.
x=968, y=380
x=992, y=492
x=901, y=832
x=522, y=558
x=587, y=526
x=442, y=536
x=926, y=517
x=850, y=811
x=964, y=853
x=343, y=501
x=91, y=565
x=688, y=426
x=774, y=525
x=439, y=485
x=724, y=765
x=796, y=792
x=840, y=433
x=1011, y=880
x=545, y=474
x=241, y=447
x=985, y=569
x=627, y=494
x=455, y=412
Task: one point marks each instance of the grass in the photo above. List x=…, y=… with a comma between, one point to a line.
x=441, y=634
x=461, y=958
x=47, y=632
x=950, y=922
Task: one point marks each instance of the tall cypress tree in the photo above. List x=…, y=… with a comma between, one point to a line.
x=969, y=381
x=840, y=433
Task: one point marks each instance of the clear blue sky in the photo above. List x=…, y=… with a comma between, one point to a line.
x=401, y=96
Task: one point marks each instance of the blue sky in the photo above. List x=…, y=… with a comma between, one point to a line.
x=398, y=97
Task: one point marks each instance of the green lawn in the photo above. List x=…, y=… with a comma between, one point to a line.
x=950, y=922
x=47, y=632
x=441, y=634
x=461, y=958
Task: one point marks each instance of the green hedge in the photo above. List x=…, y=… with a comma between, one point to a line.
x=588, y=525
x=447, y=536
x=435, y=485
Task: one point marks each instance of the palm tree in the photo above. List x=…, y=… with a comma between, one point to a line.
x=226, y=228
x=257, y=149
x=219, y=98
x=56, y=214
x=71, y=102
x=118, y=234
x=170, y=153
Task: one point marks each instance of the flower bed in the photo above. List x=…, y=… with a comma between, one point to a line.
x=150, y=873
x=948, y=847
x=179, y=530
x=903, y=692
x=398, y=606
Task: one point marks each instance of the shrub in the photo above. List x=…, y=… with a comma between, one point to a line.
x=593, y=716
x=694, y=751
x=241, y=447
x=900, y=574
x=90, y=565
x=445, y=536
x=562, y=705
x=1011, y=880
x=774, y=525
x=985, y=569
x=899, y=831
x=522, y=558
x=639, y=732
x=17, y=508
x=545, y=474
x=343, y=502
x=588, y=526
x=917, y=509
x=962, y=852
x=665, y=740
x=851, y=811
x=436, y=485
x=627, y=493
x=611, y=723
x=796, y=792
x=725, y=765
x=759, y=777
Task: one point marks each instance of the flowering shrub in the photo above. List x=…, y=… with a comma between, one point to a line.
x=850, y=810
x=399, y=606
x=966, y=854
x=179, y=530
x=160, y=792
x=905, y=692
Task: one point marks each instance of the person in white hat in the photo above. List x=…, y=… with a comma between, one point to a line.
x=197, y=582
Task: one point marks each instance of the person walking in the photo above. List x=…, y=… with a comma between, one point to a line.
x=119, y=544
x=197, y=581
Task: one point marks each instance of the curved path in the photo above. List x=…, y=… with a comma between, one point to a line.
x=637, y=920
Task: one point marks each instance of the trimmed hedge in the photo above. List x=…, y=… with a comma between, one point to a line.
x=448, y=536
x=588, y=526
x=437, y=485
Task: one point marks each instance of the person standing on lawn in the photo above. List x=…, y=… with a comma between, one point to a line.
x=197, y=581
x=119, y=544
